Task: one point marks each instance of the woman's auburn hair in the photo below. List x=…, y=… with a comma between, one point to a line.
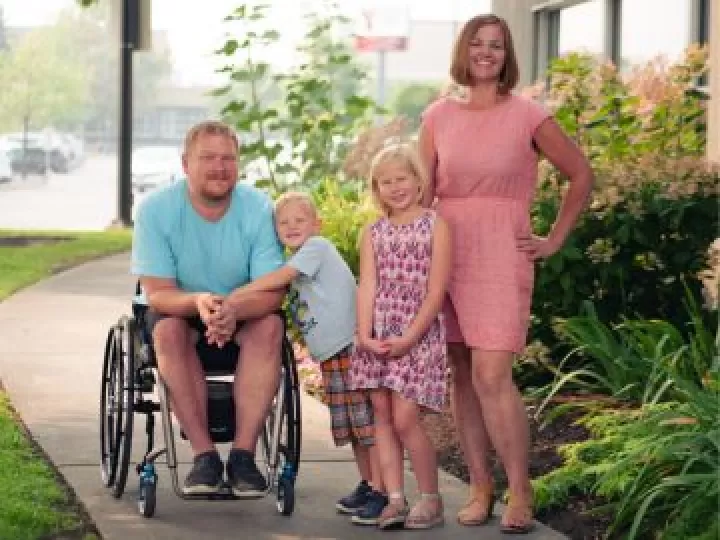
x=460, y=65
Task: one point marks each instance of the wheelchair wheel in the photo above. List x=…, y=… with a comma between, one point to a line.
x=286, y=496
x=108, y=432
x=288, y=444
x=292, y=413
x=116, y=405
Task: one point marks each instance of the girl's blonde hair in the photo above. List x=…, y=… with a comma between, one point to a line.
x=404, y=153
x=296, y=197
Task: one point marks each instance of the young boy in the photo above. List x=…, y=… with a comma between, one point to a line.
x=322, y=304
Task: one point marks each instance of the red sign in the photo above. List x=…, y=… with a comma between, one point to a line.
x=380, y=43
x=383, y=28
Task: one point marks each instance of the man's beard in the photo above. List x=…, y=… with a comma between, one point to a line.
x=214, y=198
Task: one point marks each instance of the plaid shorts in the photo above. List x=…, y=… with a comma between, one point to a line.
x=351, y=414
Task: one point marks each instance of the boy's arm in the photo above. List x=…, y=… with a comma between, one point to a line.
x=272, y=281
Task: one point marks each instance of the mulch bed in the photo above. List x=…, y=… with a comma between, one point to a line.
x=30, y=240
x=574, y=520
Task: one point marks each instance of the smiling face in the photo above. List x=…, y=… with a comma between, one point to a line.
x=210, y=164
x=486, y=53
x=396, y=186
x=295, y=222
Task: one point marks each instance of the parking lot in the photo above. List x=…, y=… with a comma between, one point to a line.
x=84, y=199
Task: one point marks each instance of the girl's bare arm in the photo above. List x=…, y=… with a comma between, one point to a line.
x=366, y=287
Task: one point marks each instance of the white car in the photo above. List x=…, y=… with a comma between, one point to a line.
x=6, y=172
x=153, y=166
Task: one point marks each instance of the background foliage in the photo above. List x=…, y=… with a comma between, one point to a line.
x=303, y=138
x=653, y=212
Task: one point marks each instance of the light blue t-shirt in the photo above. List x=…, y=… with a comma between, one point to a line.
x=171, y=240
x=322, y=298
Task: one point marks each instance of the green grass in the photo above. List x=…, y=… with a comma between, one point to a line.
x=23, y=266
x=33, y=502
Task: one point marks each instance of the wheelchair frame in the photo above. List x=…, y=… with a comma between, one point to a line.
x=130, y=371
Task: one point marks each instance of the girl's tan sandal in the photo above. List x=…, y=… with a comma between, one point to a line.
x=394, y=514
x=427, y=513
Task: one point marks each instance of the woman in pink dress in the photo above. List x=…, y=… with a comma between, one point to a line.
x=482, y=152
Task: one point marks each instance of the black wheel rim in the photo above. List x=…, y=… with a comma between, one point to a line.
x=292, y=399
x=125, y=383
x=286, y=496
x=108, y=454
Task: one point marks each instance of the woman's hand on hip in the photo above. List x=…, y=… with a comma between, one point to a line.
x=537, y=247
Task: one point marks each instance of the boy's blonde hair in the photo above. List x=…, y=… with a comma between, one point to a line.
x=404, y=153
x=299, y=197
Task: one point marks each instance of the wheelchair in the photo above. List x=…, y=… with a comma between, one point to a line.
x=129, y=378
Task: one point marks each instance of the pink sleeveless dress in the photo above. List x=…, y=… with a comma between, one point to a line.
x=485, y=182
x=402, y=262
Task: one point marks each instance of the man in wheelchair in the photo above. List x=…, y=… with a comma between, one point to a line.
x=195, y=242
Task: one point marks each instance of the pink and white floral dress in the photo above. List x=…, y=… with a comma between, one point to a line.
x=402, y=262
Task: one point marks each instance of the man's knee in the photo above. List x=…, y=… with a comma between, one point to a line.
x=171, y=333
x=264, y=332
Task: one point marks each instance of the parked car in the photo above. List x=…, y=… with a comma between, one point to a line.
x=64, y=152
x=6, y=172
x=155, y=165
x=30, y=160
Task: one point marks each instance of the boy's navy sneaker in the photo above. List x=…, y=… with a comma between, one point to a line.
x=244, y=477
x=350, y=504
x=205, y=477
x=369, y=514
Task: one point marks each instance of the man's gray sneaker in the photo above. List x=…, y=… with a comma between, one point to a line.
x=243, y=475
x=205, y=477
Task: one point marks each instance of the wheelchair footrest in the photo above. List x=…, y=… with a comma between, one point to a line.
x=224, y=494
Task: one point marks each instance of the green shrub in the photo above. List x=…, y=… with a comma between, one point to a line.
x=658, y=468
x=654, y=209
x=637, y=361
x=345, y=208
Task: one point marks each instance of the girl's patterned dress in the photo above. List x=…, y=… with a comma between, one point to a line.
x=402, y=262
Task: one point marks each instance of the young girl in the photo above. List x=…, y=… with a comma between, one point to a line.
x=401, y=353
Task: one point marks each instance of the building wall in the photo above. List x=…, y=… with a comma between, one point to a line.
x=518, y=14
x=533, y=38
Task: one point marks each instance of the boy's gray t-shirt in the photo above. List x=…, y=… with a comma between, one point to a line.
x=322, y=298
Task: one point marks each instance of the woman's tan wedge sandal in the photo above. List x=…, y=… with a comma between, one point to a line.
x=479, y=507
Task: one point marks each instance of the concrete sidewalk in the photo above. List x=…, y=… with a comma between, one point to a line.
x=51, y=344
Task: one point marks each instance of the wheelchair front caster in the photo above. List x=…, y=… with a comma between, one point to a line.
x=148, y=489
x=285, y=496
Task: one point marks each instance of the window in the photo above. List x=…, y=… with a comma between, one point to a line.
x=582, y=27
x=651, y=28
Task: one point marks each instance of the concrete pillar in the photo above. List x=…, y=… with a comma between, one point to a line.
x=713, y=144
x=519, y=16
